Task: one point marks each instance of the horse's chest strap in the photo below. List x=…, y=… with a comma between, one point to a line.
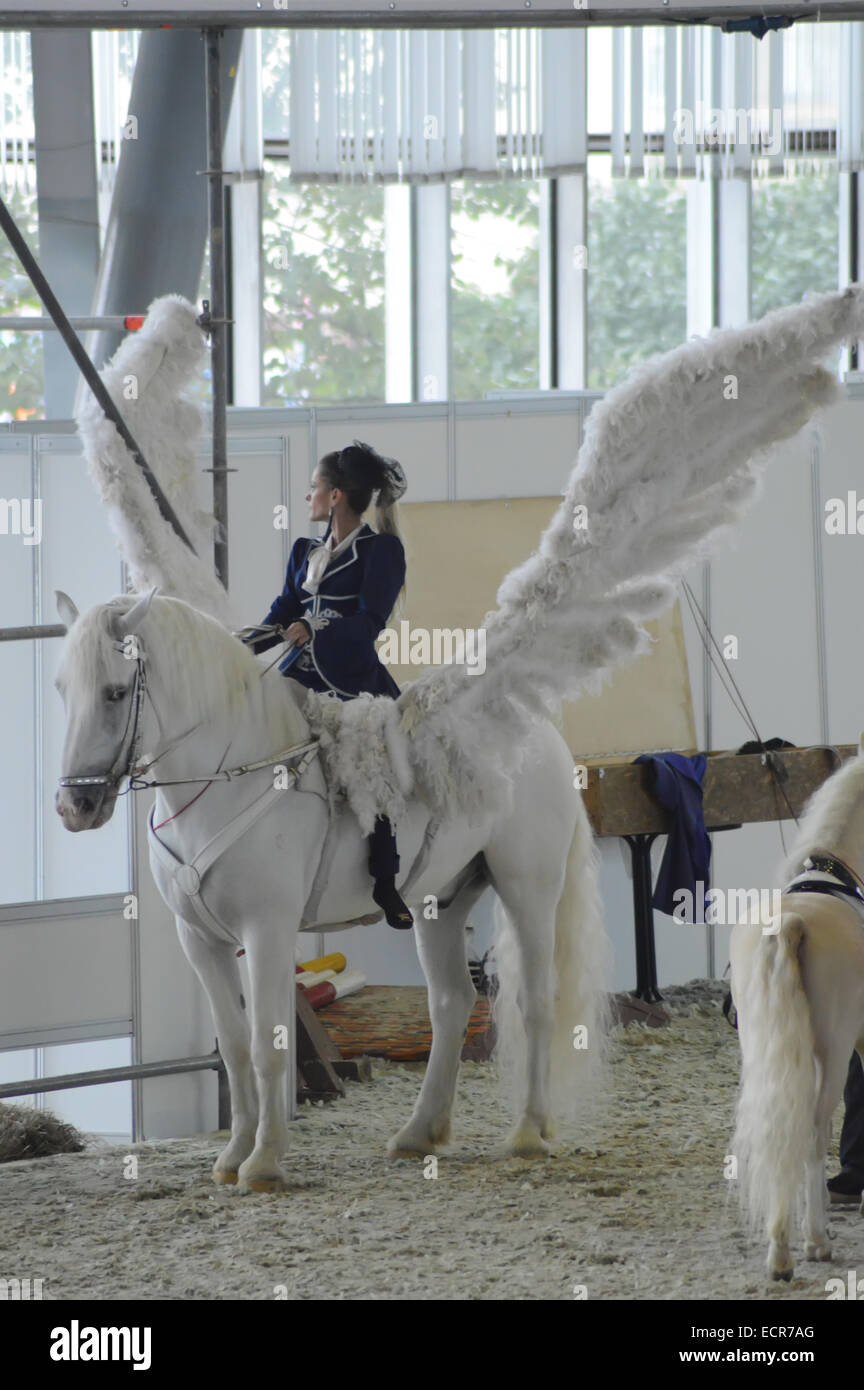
x=825, y=874
x=187, y=878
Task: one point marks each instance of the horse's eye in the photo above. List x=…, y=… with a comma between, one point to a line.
x=115, y=693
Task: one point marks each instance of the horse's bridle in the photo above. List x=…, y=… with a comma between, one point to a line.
x=121, y=768
x=128, y=766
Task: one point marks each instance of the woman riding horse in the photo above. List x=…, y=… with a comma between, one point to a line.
x=339, y=593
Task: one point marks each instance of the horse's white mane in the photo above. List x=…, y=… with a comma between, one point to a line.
x=194, y=664
x=826, y=815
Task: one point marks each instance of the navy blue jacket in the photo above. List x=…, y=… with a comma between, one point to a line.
x=355, y=598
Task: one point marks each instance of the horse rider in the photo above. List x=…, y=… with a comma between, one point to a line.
x=339, y=593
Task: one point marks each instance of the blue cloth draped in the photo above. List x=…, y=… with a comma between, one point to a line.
x=677, y=785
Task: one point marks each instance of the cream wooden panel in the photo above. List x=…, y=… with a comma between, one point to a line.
x=458, y=553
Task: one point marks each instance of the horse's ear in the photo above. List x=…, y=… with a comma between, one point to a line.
x=126, y=623
x=65, y=608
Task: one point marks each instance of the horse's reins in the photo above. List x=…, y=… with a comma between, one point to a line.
x=137, y=782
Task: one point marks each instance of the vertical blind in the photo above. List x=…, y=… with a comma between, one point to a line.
x=114, y=53
x=17, y=138
x=422, y=105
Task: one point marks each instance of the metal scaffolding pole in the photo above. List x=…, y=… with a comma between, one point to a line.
x=25, y=323
x=218, y=323
x=28, y=634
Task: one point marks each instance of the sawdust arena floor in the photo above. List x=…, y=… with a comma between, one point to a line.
x=637, y=1208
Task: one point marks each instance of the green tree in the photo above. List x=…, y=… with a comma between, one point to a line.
x=323, y=247
x=795, y=239
x=496, y=336
x=22, y=376
x=637, y=274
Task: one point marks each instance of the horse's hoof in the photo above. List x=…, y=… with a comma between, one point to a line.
x=528, y=1142
x=224, y=1176
x=414, y=1143
x=814, y=1250
x=263, y=1185
x=782, y=1274
x=406, y=1145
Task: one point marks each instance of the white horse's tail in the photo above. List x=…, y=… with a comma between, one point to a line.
x=780, y=1076
x=579, y=1044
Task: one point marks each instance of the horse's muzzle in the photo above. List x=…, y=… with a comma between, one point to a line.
x=85, y=807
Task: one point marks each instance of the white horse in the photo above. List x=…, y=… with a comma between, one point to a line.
x=157, y=674
x=799, y=992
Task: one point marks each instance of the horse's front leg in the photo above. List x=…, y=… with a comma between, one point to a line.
x=215, y=964
x=270, y=962
x=441, y=947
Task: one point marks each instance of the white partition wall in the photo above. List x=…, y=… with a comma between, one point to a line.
x=18, y=564
x=77, y=964
x=788, y=592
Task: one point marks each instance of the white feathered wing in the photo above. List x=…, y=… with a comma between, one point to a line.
x=146, y=378
x=670, y=459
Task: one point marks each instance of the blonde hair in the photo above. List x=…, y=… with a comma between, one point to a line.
x=387, y=524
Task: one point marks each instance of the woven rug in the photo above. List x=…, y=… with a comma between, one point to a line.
x=392, y=1021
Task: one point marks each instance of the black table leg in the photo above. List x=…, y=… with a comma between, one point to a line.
x=643, y=918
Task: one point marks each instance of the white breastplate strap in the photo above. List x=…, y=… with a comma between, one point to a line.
x=189, y=877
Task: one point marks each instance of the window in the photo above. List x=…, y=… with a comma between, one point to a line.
x=795, y=239
x=637, y=270
x=495, y=286
x=323, y=249
x=22, y=373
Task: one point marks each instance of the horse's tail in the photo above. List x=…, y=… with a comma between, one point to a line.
x=780, y=1075
x=582, y=1014
x=580, y=1031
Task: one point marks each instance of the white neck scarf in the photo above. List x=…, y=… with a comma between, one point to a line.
x=320, y=558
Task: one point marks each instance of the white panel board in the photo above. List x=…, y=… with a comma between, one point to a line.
x=257, y=549
x=843, y=563
x=104, y=1109
x=515, y=453
x=417, y=439
x=18, y=558
x=64, y=971
x=762, y=593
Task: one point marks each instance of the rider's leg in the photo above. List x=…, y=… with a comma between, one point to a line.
x=384, y=866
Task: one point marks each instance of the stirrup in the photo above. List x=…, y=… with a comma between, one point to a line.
x=395, y=910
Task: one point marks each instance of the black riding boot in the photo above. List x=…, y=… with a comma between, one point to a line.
x=384, y=866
